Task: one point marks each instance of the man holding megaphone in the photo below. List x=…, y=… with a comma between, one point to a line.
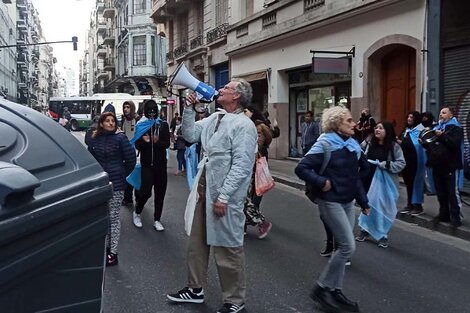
x=229, y=142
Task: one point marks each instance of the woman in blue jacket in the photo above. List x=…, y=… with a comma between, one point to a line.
x=337, y=187
x=117, y=157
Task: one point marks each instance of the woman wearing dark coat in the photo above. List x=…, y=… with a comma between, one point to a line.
x=117, y=157
x=337, y=187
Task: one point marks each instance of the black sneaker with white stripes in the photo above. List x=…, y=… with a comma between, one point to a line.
x=231, y=308
x=188, y=295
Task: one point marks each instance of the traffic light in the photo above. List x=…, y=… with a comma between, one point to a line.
x=74, y=42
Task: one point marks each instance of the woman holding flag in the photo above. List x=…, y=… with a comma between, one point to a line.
x=152, y=138
x=386, y=159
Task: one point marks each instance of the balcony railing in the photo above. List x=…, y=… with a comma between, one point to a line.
x=181, y=50
x=21, y=23
x=109, y=37
x=196, y=42
x=101, y=27
x=108, y=11
x=217, y=33
x=109, y=63
x=310, y=5
x=169, y=56
x=99, y=6
x=269, y=20
x=100, y=50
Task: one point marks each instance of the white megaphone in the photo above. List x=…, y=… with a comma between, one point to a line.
x=182, y=77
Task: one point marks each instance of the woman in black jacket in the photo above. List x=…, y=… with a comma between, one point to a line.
x=117, y=157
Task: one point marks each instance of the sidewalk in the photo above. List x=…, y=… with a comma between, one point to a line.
x=283, y=172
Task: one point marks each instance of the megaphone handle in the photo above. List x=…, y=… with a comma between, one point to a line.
x=201, y=98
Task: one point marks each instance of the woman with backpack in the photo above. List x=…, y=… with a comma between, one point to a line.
x=335, y=191
x=387, y=160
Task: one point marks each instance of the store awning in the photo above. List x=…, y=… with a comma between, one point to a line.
x=252, y=76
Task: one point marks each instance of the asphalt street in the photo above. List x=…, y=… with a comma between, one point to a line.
x=421, y=271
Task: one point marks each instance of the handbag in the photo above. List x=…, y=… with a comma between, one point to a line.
x=263, y=179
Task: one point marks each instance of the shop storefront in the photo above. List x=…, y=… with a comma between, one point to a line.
x=313, y=92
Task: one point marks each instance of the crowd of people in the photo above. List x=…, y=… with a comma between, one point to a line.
x=345, y=164
x=360, y=163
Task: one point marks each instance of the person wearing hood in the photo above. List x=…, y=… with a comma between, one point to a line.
x=151, y=139
x=414, y=171
x=117, y=157
x=129, y=120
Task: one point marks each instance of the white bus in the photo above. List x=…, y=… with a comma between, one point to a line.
x=84, y=109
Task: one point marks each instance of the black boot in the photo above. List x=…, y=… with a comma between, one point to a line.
x=328, y=249
x=344, y=302
x=326, y=299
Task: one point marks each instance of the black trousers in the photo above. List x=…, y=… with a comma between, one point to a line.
x=128, y=193
x=409, y=174
x=447, y=194
x=156, y=178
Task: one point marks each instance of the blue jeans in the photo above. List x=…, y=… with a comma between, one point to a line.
x=339, y=217
x=181, y=159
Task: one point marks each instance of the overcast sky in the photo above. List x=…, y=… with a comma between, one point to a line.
x=62, y=19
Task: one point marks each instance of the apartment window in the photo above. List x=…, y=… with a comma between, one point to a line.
x=139, y=6
x=125, y=55
x=171, y=36
x=221, y=12
x=199, y=18
x=140, y=53
x=183, y=28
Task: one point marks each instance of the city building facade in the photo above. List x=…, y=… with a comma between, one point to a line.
x=126, y=50
x=31, y=75
x=373, y=51
x=196, y=36
x=8, y=84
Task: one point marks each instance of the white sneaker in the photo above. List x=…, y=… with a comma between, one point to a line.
x=137, y=220
x=158, y=226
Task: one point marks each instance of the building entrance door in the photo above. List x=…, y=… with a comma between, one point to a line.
x=399, y=86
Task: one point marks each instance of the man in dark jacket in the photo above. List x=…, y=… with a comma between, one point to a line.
x=152, y=146
x=129, y=120
x=310, y=132
x=445, y=159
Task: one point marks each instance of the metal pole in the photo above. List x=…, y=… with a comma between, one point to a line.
x=36, y=44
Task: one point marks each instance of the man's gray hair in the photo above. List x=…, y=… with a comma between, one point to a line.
x=244, y=90
x=332, y=118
